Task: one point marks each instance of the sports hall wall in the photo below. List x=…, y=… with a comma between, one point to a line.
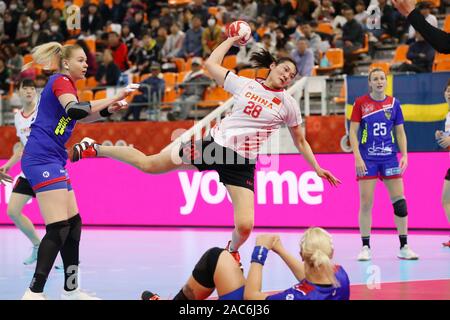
x=287, y=193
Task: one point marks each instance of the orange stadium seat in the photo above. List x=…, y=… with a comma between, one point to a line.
x=58, y=4
x=91, y=82
x=86, y=95
x=440, y=59
x=170, y=78
x=365, y=48
x=447, y=24
x=385, y=66
x=80, y=84
x=262, y=73
x=434, y=3
x=181, y=76
x=341, y=98
x=179, y=62
x=214, y=97
x=91, y=45
x=400, y=54
x=27, y=58
x=145, y=76
x=170, y=96
x=248, y=73
x=325, y=27
x=179, y=2
x=336, y=58
x=442, y=66
x=101, y=94
x=213, y=11
x=229, y=62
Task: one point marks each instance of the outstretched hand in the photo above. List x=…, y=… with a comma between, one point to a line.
x=129, y=89
x=4, y=177
x=118, y=106
x=404, y=6
x=325, y=174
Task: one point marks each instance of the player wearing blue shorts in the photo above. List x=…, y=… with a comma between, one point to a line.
x=374, y=118
x=44, y=159
x=443, y=139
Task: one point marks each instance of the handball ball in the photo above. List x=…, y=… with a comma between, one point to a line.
x=240, y=28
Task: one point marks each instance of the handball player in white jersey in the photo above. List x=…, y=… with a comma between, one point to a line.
x=22, y=191
x=260, y=108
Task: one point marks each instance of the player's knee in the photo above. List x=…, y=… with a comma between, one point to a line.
x=400, y=208
x=244, y=228
x=13, y=213
x=205, y=268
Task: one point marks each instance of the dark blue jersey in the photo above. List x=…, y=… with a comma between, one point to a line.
x=52, y=126
x=306, y=290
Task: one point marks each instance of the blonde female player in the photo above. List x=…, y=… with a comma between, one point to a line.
x=319, y=278
x=260, y=107
x=44, y=159
x=374, y=118
x=443, y=138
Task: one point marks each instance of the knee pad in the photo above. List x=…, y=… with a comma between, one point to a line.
x=58, y=232
x=400, y=209
x=75, y=228
x=204, y=270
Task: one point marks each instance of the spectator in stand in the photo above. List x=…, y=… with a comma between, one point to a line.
x=108, y=72
x=55, y=34
x=57, y=16
x=150, y=52
x=280, y=38
x=166, y=17
x=9, y=27
x=291, y=28
x=37, y=36
x=127, y=36
x=305, y=8
x=211, y=37
x=43, y=19
x=192, y=46
x=200, y=10
x=174, y=43
x=361, y=13
x=152, y=90
x=186, y=19
x=313, y=39
x=194, y=86
x=91, y=61
x=93, y=21
x=324, y=11
x=154, y=26
x=387, y=20
x=14, y=63
x=119, y=50
x=304, y=58
x=30, y=9
x=104, y=10
x=249, y=9
x=421, y=54
x=352, y=39
x=425, y=10
x=161, y=37
x=5, y=74
x=118, y=11
x=24, y=29
x=137, y=24
x=265, y=8
x=282, y=11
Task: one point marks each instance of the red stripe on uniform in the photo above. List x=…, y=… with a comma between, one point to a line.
x=366, y=178
x=391, y=177
x=49, y=182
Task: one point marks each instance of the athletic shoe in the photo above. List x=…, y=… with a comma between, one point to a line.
x=364, y=255
x=77, y=295
x=407, y=254
x=446, y=244
x=86, y=148
x=33, y=257
x=30, y=295
x=235, y=255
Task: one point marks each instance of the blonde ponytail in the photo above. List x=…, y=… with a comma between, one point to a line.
x=47, y=52
x=317, y=250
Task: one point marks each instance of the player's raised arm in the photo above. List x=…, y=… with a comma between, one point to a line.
x=214, y=62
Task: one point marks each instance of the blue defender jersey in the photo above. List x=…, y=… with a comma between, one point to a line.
x=306, y=290
x=377, y=121
x=52, y=126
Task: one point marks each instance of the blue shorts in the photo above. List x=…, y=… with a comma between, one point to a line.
x=46, y=177
x=383, y=170
x=237, y=294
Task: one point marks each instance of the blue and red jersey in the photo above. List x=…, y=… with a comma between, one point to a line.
x=306, y=290
x=377, y=120
x=52, y=127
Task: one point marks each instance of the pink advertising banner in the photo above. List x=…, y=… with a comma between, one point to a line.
x=287, y=194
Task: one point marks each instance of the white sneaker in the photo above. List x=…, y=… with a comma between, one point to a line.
x=77, y=295
x=30, y=295
x=33, y=257
x=407, y=254
x=364, y=255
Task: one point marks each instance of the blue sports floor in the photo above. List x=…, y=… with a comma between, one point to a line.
x=121, y=263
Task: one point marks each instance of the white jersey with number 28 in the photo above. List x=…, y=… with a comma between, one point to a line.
x=258, y=112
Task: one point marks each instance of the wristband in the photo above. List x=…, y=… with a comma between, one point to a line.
x=105, y=113
x=260, y=254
